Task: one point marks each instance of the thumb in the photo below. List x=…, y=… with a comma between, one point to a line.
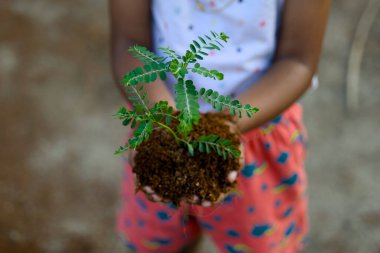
x=131, y=157
x=241, y=158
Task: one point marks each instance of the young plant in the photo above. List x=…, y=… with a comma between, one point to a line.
x=144, y=118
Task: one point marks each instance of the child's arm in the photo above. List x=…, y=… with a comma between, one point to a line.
x=131, y=25
x=299, y=46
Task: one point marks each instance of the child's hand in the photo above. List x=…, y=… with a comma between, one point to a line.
x=146, y=189
x=152, y=196
x=231, y=177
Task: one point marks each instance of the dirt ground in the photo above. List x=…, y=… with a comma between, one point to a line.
x=58, y=176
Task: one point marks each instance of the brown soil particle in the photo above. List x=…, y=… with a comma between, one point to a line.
x=175, y=175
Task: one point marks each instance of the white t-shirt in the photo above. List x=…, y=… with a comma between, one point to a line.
x=252, y=26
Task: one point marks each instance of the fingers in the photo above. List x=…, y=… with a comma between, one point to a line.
x=232, y=126
x=221, y=197
x=232, y=176
x=152, y=196
x=234, y=129
x=194, y=199
x=206, y=203
x=148, y=190
x=156, y=198
x=131, y=157
x=242, y=157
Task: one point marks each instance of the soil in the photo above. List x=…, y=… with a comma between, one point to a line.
x=175, y=175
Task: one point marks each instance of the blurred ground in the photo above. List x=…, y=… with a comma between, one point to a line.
x=59, y=179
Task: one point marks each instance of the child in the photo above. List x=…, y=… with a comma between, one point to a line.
x=269, y=62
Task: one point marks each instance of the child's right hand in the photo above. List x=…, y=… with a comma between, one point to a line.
x=152, y=196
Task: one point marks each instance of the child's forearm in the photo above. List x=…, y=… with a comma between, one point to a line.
x=123, y=62
x=131, y=25
x=301, y=34
x=284, y=84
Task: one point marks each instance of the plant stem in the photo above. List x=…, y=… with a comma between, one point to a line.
x=166, y=114
x=171, y=131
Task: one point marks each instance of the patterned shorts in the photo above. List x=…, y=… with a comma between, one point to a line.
x=267, y=213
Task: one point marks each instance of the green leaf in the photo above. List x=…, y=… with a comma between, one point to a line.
x=162, y=75
x=189, y=56
x=219, y=107
x=207, y=148
x=183, y=72
x=201, y=147
x=225, y=156
x=219, y=76
x=223, y=147
x=186, y=98
x=220, y=44
x=196, y=44
x=144, y=55
x=215, y=46
x=198, y=57
x=134, y=123
x=219, y=102
x=168, y=120
x=224, y=37
x=154, y=65
x=214, y=74
x=218, y=150
x=147, y=78
x=137, y=96
x=126, y=122
x=147, y=68
x=202, y=40
x=141, y=134
x=192, y=47
x=153, y=77
x=171, y=53
x=121, y=150
x=173, y=66
x=190, y=149
x=215, y=95
x=161, y=110
x=138, y=75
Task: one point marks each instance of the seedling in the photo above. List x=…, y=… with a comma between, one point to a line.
x=144, y=118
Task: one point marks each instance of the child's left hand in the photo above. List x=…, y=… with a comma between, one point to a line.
x=232, y=176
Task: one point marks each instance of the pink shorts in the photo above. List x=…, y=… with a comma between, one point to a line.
x=267, y=213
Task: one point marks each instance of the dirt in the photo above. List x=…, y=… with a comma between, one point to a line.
x=175, y=175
